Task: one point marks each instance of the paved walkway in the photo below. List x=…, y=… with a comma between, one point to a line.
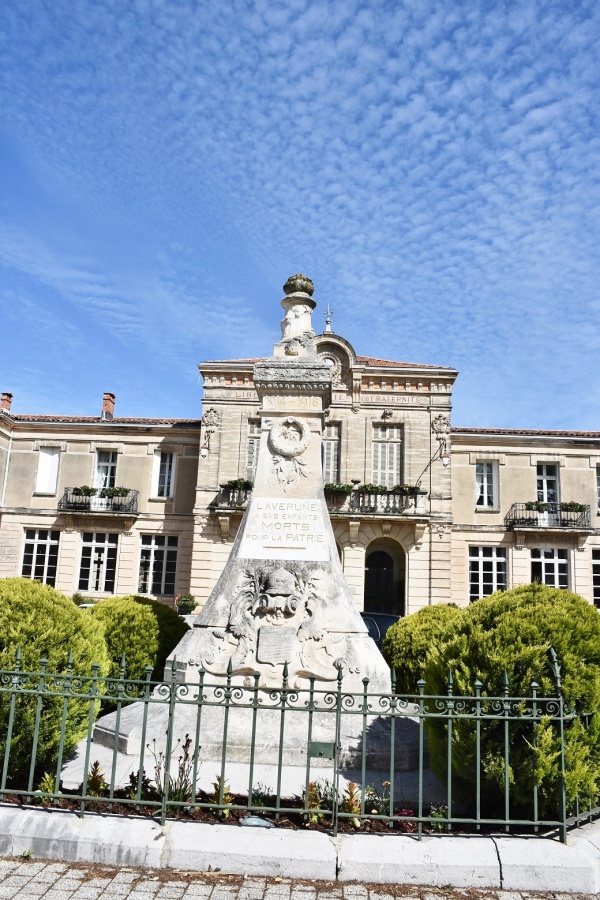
x=31, y=880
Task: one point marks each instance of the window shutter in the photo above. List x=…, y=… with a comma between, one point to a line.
x=251, y=457
x=47, y=473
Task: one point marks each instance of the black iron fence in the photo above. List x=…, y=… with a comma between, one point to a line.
x=349, y=751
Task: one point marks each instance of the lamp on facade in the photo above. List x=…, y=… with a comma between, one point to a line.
x=441, y=429
x=204, y=450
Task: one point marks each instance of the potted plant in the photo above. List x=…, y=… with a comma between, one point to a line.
x=114, y=492
x=371, y=489
x=185, y=604
x=406, y=490
x=537, y=506
x=85, y=491
x=336, y=492
x=239, y=484
x=572, y=506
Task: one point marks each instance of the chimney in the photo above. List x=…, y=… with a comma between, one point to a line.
x=5, y=402
x=108, y=407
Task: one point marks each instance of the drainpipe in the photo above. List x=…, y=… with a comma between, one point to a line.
x=10, y=440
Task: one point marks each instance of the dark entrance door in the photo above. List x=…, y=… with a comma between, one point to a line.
x=382, y=593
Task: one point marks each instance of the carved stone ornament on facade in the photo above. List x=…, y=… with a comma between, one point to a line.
x=278, y=616
x=441, y=428
x=211, y=421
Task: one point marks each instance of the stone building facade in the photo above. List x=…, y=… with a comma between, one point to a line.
x=107, y=505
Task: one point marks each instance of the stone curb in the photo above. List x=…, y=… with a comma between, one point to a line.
x=509, y=863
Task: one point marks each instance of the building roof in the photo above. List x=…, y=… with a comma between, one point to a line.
x=541, y=432
x=391, y=364
x=98, y=420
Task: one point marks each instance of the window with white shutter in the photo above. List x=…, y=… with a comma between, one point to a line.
x=387, y=455
x=47, y=473
x=163, y=476
x=330, y=453
x=252, y=445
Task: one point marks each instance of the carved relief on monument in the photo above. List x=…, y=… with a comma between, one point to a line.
x=288, y=439
x=279, y=615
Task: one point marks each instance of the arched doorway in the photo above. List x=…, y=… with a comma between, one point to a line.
x=385, y=567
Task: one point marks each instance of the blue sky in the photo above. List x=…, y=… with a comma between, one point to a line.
x=433, y=166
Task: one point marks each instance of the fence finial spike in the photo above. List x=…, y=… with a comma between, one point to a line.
x=230, y=667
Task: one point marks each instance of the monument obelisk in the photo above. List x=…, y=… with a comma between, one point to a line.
x=281, y=604
x=282, y=597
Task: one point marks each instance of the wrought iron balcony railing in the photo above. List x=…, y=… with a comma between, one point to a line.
x=102, y=501
x=548, y=515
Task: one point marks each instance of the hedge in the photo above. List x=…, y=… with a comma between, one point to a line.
x=171, y=628
x=130, y=630
x=513, y=631
x=410, y=642
x=44, y=624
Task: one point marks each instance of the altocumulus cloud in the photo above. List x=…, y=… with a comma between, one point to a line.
x=433, y=166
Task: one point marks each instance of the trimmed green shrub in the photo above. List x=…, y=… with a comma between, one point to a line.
x=171, y=628
x=513, y=631
x=410, y=642
x=130, y=630
x=44, y=624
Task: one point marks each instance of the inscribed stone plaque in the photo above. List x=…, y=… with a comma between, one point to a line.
x=276, y=644
x=279, y=528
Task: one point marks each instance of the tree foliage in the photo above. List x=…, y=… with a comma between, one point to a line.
x=44, y=624
x=130, y=630
x=171, y=628
x=409, y=644
x=513, y=631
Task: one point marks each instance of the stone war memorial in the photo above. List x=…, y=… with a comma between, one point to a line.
x=281, y=613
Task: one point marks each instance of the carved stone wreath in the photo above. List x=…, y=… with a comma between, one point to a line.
x=281, y=440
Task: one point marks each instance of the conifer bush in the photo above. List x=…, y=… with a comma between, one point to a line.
x=171, y=628
x=513, y=631
x=410, y=642
x=130, y=630
x=44, y=624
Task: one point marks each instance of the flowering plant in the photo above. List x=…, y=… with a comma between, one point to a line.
x=185, y=599
x=114, y=492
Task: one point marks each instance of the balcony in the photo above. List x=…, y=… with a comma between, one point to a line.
x=390, y=503
x=115, y=501
x=574, y=516
x=231, y=498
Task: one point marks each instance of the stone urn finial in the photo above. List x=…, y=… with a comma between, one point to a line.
x=299, y=283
